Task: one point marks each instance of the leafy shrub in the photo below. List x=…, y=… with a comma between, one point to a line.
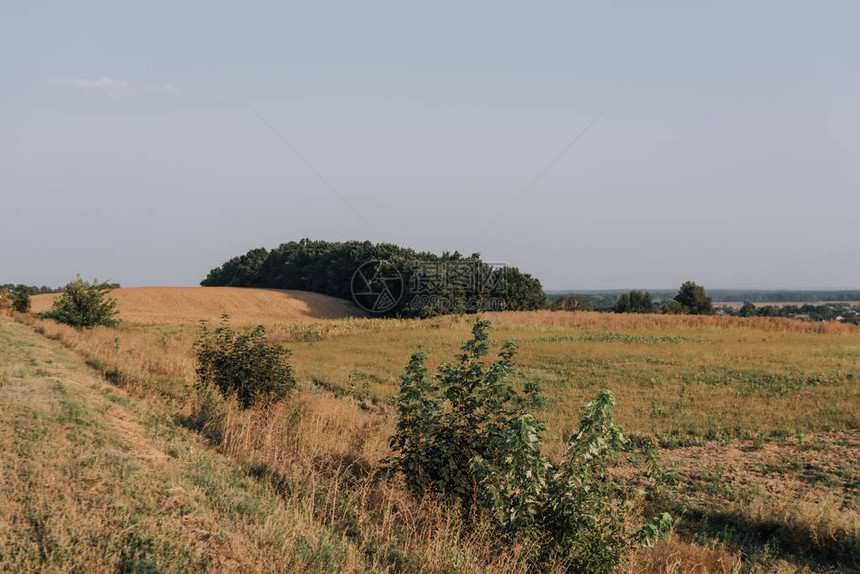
x=573, y=514
x=21, y=300
x=84, y=304
x=459, y=414
x=466, y=436
x=242, y=363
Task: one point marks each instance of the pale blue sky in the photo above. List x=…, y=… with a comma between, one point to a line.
x=727, y=154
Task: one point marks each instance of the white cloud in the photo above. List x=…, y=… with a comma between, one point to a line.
x=103, y=86
x=162, y=89
x=110, y=88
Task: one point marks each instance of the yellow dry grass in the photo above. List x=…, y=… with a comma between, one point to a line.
x=183, y=305
x=742, y=398
x=94, y=481
x=633, y=321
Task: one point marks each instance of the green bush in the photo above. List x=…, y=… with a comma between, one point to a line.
x=243, y=364
x=465, y=435
x=573, y=514
x=21, y=300
x=459, y=414
x=84, y=304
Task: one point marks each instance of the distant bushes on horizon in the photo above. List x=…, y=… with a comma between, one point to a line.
x=608, y=299
x=31, y=289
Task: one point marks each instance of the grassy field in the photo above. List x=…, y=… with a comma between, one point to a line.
x=96, y=481
x=757, y=420
x=183, y=305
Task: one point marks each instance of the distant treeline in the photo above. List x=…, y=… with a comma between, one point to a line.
x=607, y=300
x=843, y=312
x=32, y=289
x=421, y=283
x=784, y=295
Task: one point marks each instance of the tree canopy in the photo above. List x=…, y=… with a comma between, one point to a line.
x=693, y=299
x=634, y=302
x=431, y=283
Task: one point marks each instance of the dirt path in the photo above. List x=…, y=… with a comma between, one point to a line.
x=93, y=481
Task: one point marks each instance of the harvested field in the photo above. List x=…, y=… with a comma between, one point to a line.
x=184, y=305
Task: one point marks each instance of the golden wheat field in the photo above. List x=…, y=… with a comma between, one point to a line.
x=756, y=419
x=183, y=305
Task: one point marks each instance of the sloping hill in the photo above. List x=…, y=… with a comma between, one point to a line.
x=94, y=480
x=181, y=305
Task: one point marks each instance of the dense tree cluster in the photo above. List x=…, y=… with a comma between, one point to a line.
x=635, y=302
x=430, y=283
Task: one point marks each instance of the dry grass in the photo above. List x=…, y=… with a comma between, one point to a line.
x=184, y=305
x=319, y=453
x=92, y=481
x=634, y=321
x=674, y=556
x=783, y=387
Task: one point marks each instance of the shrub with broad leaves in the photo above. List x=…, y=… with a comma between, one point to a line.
x=243, y=364
x=84, y=304
x=465, y=435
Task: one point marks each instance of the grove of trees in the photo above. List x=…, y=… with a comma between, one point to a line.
x=635, y=302
x=328, y=267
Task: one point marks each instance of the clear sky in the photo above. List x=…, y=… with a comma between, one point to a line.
x=132, y=146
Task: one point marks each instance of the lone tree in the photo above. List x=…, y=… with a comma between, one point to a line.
x=84, y=304
x=635, y=302
x=693, y=299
